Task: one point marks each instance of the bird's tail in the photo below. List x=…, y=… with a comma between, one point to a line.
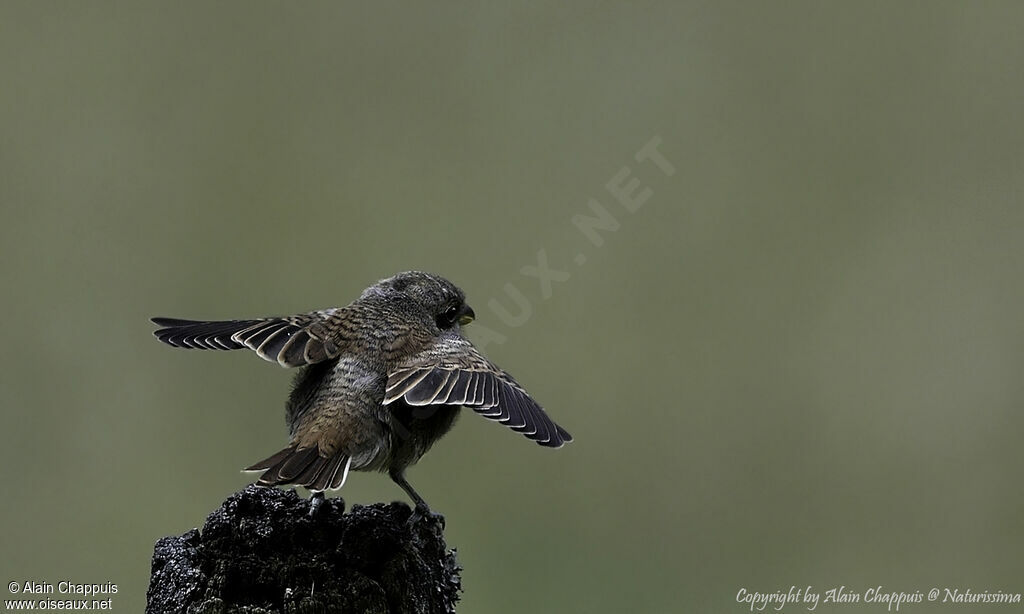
x=305, y=467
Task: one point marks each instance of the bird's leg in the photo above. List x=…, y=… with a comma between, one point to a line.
x=422, y=510
x=315, y=500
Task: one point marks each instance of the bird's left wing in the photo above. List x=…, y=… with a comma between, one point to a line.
x=291, y=341
x=453, y=372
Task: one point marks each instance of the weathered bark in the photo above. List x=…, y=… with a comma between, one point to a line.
x=262, y=552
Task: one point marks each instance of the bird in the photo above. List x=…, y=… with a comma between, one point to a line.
x=379, y=381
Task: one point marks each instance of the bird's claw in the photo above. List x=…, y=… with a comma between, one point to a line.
x=315, y=501
x=423, y=513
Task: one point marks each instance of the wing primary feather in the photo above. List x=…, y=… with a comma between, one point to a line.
x=491, y=390
x=254, y=338
x=272, y=345
x=426, y=389
x=438, y=380
x=514, y=411
x=543, y=433
x=564, y=434
x=517, y=417
x=473, y=389
x=293, y=354
x=225, y=344
x=488, y=412
x=241, y=336
x=444, y=393
x=172, y=322
x=175, y=337
x=399, y=377
x=554, y=439
x=406, y=386
x=499, y=412
x=457, y=395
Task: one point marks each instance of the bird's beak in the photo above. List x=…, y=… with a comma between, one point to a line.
x=466, y=316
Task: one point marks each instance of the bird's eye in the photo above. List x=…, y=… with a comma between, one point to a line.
x=448, y=317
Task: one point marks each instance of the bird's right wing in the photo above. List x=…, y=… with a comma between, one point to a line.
x=292, y=341
x=453, y=372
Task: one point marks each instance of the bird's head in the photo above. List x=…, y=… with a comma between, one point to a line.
x=441, y=299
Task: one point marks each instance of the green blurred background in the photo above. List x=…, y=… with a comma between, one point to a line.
x=800, y=363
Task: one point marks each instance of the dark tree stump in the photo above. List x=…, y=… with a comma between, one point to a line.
x=261, y=552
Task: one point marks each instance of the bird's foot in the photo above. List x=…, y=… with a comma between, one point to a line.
x=315, y=501
x=422, y=513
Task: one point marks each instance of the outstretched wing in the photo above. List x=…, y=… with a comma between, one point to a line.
x=292, y=341
x=453, y=372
